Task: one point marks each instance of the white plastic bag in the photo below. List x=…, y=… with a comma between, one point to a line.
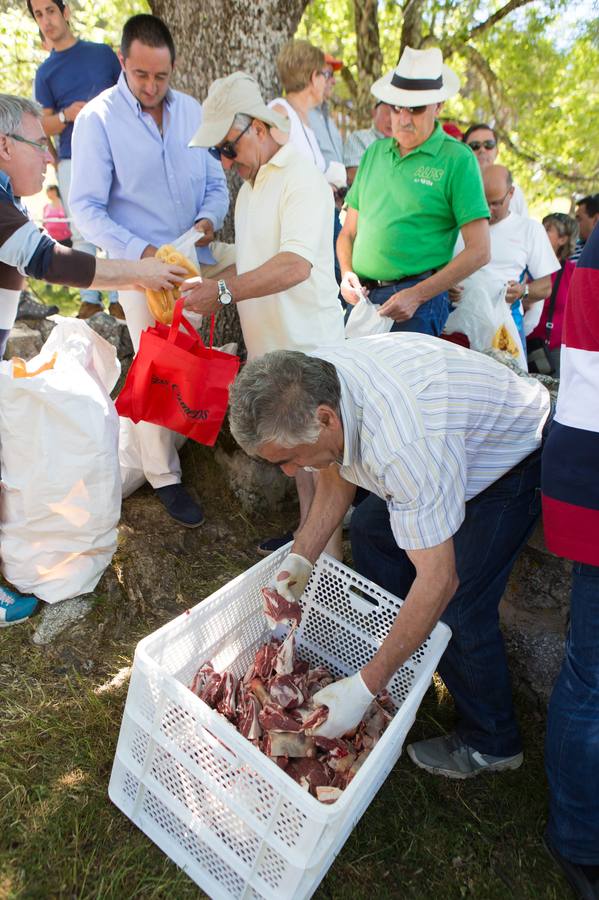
x=186, y=244
x=61, y=487
x=480, y=314
x=364, y=320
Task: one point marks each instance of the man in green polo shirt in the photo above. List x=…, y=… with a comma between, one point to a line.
x=412, y=195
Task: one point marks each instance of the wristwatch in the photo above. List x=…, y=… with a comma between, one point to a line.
x=224, y=294
x=524, y=294
x=62, y=118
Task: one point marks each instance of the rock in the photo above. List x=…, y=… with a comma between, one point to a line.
x=535, y=657
x=115, y=331
x=56, y=617
x=23, y=342
x=259, y=486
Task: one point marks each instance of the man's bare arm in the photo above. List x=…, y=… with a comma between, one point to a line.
x=435, y=584
x=332, y=498
x=537, y=290
x=52, y=124
x=148, y=273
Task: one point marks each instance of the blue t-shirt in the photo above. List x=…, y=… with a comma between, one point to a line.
x=79, y=73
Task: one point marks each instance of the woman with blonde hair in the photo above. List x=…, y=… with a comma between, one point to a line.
x=301, y=68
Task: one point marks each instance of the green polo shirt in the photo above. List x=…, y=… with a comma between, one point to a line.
x=412, y=207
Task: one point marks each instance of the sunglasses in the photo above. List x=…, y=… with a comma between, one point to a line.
x=227, y=148
x=495, y=204
x=42, y=145
x=488, y=144
x=413, y=110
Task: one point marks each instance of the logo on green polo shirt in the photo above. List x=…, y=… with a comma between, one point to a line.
x=428, y=175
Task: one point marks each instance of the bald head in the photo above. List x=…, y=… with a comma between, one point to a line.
x=499, y=188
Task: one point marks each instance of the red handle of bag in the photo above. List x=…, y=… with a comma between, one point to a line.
x=179, y=319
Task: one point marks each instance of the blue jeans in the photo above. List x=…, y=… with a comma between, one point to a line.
x=572, y=742
x=474, y=667
x=430, y=318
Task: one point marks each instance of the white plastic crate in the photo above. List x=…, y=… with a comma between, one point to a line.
x=219, y=808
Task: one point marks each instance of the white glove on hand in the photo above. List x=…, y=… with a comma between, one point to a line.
x=347, y=701
x=292, y=576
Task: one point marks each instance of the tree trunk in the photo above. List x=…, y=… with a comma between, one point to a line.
x=411, y=32
x=214, y=38
x=370, y=58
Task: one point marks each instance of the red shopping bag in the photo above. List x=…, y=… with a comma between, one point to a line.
x=178, y=382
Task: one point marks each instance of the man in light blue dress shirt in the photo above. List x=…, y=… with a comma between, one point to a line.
x=136, y=184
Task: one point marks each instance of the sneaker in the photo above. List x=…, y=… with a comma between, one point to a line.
x=584, y=880
x=87, y=310
x=29, y=308
x=116, y=311
x=180, y=506
x=275, y=543
x=15, y=607
x=450, y=756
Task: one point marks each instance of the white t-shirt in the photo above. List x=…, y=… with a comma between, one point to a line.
x=288, y=208
x=518, y=204
x=517, y=244
x=301, y=136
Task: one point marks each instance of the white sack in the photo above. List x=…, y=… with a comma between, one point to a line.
x=364, y=320
x=481, y=312
x=61, y=487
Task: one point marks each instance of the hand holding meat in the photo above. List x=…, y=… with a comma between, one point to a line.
x=292, y=576
x=347, y=701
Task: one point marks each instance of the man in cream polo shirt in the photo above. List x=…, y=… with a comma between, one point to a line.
x=283, y=282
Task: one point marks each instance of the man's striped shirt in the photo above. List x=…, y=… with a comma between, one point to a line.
x=571, y=455
x=428, y=425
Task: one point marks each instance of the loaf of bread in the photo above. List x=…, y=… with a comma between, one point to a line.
x=162, y=303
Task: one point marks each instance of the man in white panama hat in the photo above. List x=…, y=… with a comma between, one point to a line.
x=411, y=197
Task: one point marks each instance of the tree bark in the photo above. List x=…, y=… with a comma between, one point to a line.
x=370, y=58
x=214, y=38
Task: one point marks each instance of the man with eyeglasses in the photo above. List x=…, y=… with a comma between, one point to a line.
x=26, y=250
x=482, y=140
x=282, y=282
x=522, y=258
x=136, y=185
x=412, y=195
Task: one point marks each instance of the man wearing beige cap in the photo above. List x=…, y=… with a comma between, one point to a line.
x=411, y=197
x=283, y=282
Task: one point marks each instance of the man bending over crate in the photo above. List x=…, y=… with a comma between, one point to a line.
x=448, y=442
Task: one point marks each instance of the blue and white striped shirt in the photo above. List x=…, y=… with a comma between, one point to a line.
x=428, y=425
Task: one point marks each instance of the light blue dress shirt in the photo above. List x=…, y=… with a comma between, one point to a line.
x=327, y=134
x=132, y=186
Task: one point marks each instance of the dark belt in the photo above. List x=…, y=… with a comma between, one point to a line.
x=372, y=283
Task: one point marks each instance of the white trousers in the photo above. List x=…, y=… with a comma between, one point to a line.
x=159, y=457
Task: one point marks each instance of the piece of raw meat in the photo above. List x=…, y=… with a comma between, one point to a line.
x=278, y=610
x=327, y=793
x=212, y=691
x=274, y=718
x=264, y=664
x=288, y=690
x=309, y=773
x=285, y=658
x=279, y=743
x=227, y=703
x=199, y=679
x=248, y=708
x=256, y=686
x=315, y=718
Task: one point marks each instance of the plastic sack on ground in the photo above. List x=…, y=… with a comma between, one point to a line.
x=60, y=497
x=485, y=318
x=364, y=320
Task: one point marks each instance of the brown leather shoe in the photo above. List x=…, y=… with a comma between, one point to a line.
x=87, y=310
x=116, y=310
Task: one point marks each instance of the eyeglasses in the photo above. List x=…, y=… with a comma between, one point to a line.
x=227, y=148
x=497, y=203
x=42, y=146
x=328, y=74
x=488, y=144
x=413, y=110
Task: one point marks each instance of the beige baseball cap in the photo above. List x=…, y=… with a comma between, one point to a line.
x=237, y=93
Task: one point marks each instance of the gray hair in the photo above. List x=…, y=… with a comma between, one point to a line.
x=275, y=399
x=242, y=121
x=12, y=110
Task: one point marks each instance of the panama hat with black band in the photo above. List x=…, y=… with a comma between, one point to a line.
x=420, y=79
